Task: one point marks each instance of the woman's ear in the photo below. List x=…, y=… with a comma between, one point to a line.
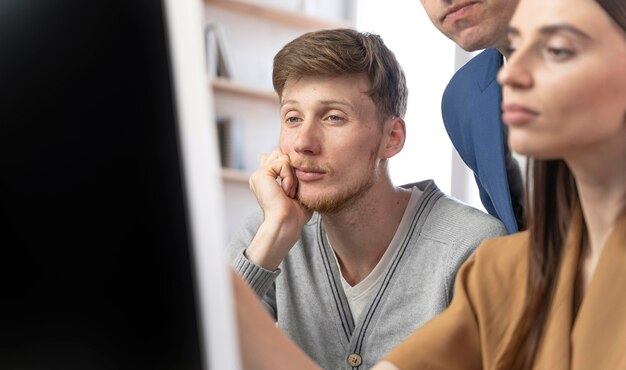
x=394, y=137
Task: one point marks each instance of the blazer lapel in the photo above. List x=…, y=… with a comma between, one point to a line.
x=599, y=334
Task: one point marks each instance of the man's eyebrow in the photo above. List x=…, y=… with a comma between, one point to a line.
x=285, y=102
x=336, y=102
x=552, y=29
x=323, y=102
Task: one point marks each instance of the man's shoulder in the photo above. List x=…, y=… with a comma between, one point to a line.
x=451, y=214
x=484, y=65
x=478, y=73
x=457, y=221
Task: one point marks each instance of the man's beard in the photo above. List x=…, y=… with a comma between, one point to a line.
x=339, y=202
x=333, y=204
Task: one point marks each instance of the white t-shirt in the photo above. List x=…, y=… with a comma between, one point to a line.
x=361, y=294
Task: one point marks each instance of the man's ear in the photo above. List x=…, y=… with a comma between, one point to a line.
x=394, y=136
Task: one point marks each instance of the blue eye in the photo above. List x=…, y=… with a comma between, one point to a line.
x=334, y=117
x=292, y=119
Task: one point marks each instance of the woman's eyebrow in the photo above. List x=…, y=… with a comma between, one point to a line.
x=552, y=29
x=556, y=28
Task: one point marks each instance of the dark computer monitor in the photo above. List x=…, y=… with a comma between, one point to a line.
x=110, y=198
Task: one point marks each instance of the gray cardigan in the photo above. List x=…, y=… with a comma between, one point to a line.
x=306, y=297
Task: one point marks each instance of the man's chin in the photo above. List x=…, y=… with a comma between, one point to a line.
x=330, y=204
x=474, y=38
x=320, y=204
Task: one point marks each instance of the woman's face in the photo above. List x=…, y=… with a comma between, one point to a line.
x=564, y=85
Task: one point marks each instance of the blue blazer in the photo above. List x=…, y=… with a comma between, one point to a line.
x=472, y=116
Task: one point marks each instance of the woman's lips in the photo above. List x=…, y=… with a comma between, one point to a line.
x=516, y=114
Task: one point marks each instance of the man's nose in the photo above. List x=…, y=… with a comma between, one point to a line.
x=307, y=139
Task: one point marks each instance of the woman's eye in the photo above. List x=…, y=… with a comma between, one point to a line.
x=508, y=51
x=558, y=53
x=511, y=46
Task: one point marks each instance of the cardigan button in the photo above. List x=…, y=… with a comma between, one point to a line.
x=355, y=360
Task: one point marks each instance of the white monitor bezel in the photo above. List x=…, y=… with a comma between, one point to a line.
x=202, y=180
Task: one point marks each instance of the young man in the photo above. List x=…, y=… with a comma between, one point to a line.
x=347, y=263
x=471, y=101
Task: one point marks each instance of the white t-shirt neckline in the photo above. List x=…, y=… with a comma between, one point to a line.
x=362, y=293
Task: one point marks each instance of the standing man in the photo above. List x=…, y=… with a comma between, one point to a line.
x=471, y=102
x=347, y=263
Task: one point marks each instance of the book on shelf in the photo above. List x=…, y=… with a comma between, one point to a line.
x=217, y=60
x=230, y=143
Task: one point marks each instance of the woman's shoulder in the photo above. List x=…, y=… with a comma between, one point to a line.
x=506, y=247
x=501, y=264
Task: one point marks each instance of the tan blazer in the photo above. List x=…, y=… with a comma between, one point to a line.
x=475, y=331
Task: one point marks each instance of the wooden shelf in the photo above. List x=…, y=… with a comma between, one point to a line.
x=230, y=174
x=226, y=86
x=273, y=14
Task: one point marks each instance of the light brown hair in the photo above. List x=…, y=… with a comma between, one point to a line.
x=340, y=52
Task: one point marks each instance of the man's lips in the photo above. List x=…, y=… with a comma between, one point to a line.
x=308, y=174
x=457, y=11
x=517, y=114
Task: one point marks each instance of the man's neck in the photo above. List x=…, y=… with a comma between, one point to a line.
x=361, y=234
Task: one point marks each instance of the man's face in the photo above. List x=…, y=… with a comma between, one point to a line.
x=331, y=133
x=472, y=24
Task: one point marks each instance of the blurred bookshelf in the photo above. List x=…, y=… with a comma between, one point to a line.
x=225, y=86
x=275, y=14
x=242, y=37
x=232, y=175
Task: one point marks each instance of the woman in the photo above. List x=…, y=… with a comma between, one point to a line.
x=552, y=297
x=564, y=100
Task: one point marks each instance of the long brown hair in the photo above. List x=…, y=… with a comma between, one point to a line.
x=551, y=197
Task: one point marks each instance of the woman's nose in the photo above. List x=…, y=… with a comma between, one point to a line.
x=516, y=72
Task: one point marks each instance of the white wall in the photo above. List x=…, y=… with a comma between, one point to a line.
x=429, y=60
